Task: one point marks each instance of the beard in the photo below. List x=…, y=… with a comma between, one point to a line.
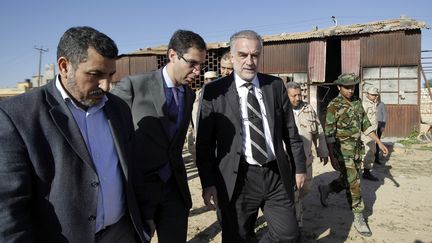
x=82, y=98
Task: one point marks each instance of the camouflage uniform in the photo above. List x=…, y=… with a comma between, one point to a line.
x=370, y=108
x=311, y=132
x=345, y=122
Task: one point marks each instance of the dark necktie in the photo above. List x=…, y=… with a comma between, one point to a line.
x=173, y=117
x=256, y=127
x=173, y=112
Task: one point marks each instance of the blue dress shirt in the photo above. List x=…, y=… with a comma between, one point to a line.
x=96, y=133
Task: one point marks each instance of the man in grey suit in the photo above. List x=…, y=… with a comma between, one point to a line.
x=245, y=120
x=161, y=103
x=66, y=150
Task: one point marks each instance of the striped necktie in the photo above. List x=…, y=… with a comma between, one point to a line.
x=256, y=127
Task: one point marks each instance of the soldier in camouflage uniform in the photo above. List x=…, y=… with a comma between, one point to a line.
x=311, y=132
x=346, y=120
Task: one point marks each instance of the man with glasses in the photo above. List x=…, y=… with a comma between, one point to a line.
x=161, y=103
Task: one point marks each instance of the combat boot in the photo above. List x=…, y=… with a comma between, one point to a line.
x=361, y=226
x=368, y=175
x=324, y=191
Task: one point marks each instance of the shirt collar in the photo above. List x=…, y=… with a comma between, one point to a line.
x=168, y=81
x=67, y=98
x=240, y=82
x=300, y=107
x=370, y=101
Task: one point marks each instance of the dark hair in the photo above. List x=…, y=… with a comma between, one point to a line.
x=75, y=41
x=226, y=56
x=182, y=40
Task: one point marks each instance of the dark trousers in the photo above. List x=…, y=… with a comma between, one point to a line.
x=120, y=232
x=171, y=218
x=380, y=129
x=259, y=187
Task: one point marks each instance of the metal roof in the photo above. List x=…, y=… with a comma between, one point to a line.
x=162, y=49
x=403, y=23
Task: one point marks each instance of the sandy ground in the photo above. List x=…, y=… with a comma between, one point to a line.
x=398, y=207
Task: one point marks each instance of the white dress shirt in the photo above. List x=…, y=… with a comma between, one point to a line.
x=243, y=91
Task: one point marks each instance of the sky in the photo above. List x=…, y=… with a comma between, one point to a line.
x=134, y=24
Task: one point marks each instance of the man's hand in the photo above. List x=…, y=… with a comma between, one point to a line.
x=324, y=160
x=383, y=148
x=210, y=197
x=300, y=179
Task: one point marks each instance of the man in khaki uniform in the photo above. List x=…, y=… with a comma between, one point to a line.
x=226, y=65
x=208, y=77
x=370, y=107
x=311, y=132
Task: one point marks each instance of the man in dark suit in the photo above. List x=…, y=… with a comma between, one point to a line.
x=244, y=120
x=161, y=103
x=65, y=153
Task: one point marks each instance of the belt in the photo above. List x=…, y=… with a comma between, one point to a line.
x=102, y=231
x=267, y=164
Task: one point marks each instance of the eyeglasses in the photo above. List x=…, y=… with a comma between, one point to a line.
x=193, y=64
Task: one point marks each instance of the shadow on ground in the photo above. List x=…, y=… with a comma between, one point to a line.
x=331, y=224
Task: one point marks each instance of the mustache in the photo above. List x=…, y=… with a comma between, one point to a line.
x=97, y=92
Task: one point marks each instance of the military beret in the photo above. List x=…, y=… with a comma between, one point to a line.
x=347, y=79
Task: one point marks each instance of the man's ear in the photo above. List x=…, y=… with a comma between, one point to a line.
x=172, y=55
x=63, y=65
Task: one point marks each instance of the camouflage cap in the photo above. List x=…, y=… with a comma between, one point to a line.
x=210, y=74
x=347, y=79
x=373, y=91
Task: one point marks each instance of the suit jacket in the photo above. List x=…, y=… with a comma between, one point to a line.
x=219, y=137
x=49, y=184
x=145, y=95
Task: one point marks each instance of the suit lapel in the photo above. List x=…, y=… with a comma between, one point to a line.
x=268, y=96
x=233, y=98
x=66, y=123
x=157, y=92
x=115, y=125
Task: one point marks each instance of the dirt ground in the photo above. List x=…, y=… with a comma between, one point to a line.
x=398, y=207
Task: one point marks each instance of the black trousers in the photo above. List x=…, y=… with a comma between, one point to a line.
x=120, y=232
x=259, y=187
x=380, y=129
x=171, y=218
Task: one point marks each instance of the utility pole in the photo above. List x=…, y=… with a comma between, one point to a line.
x=41, y=50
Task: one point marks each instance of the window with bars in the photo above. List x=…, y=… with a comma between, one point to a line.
x=397, y=85
x=300, y=78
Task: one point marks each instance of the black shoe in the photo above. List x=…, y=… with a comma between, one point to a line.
x=324, y=192
x=368, y=176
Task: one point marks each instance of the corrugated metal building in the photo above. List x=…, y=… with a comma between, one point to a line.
x=386, y=54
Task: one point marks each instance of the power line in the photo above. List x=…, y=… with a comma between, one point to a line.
x=41, y=50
